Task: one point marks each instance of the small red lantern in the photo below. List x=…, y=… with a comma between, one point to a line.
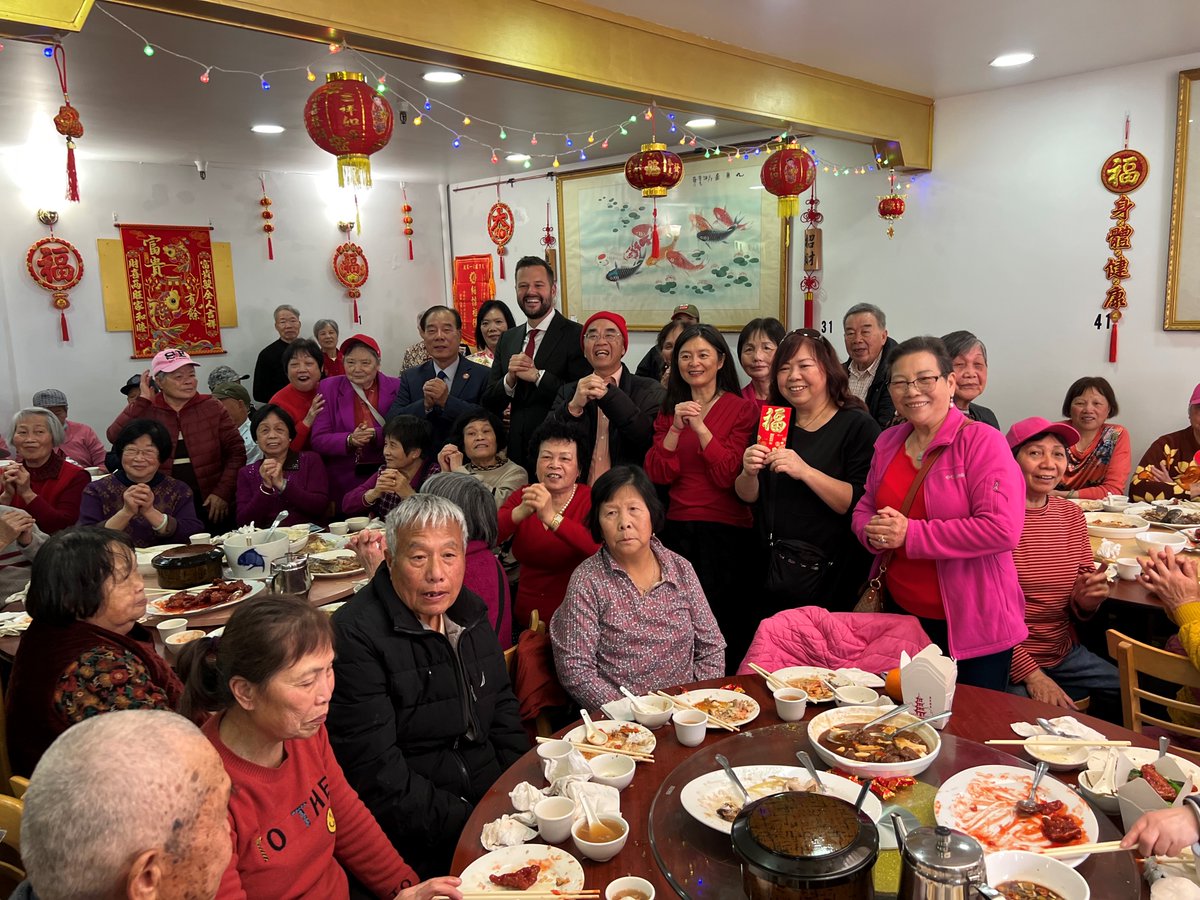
x=788, y=173
x=654, y=171
x=891, y=207
x=348, y=119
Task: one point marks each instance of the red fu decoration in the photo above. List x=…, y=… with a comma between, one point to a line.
x=348, y=119
x=350, y=268
x=56, y=266
x=654, y=171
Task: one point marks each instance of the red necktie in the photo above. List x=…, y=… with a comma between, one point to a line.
x=529, y=347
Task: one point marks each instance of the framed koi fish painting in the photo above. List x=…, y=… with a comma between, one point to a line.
x=720, y=239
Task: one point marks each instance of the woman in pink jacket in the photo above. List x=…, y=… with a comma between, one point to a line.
x=951, y=563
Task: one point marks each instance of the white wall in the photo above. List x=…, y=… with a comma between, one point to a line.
x=1005, y=237
x=95, y=363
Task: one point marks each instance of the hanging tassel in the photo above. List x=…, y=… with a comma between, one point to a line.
x=787, y=235
x=357, y=218
x=808, y=310
x=270, y=248
x=1112, y=344
x=62, y=324
x=357, y=317
x=654, y=244
x=500, y=253
x=410, y=253
x=72, y=175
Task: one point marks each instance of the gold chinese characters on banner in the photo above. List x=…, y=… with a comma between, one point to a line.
x=1122, y=172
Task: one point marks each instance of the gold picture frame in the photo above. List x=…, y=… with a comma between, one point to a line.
x=1181, y=311
x=722, y=246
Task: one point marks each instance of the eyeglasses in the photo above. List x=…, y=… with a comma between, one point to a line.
x=140, y=453
x=809, y=333
x=611, y=335
x=924, y=384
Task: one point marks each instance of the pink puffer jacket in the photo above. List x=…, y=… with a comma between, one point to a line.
x=813, y=636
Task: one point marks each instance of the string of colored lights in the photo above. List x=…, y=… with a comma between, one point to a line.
x=575, y=143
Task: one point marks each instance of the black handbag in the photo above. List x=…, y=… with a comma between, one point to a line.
x=796, y=568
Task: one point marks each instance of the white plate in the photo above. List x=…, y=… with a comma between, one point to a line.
x=642, y=739
x=508, y=859
x=790, y=672
x=994, y=809
x=1133, y=525
x=694, y=697
x=335, y=554
x=701, y=796
x=153, y=606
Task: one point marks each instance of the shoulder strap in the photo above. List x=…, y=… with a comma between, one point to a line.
x=501, y=600
x=363, y=397
x=926, y=464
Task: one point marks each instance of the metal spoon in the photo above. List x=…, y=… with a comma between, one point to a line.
x=271, y=531
x=720, y=757
x=593, y=735
x=862, y=795
x=806, y=761
x=912, y=725
x=903, y=707
x=1050, y=729
x=1029, y=806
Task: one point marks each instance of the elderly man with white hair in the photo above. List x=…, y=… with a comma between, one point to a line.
x=423, y=719
x=101, y=824
x=270, y=374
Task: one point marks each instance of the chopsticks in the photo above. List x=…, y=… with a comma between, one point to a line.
x=537, y=895
x=772, y=682
x=1079, y=849
x=711, y=718
x=1060, y=742
x=636, y=755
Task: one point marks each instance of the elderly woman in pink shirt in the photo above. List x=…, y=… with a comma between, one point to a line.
x=634, y=613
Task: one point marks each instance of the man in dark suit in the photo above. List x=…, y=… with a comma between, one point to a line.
x=614, y=408
x=533, y=360
x=447, y=384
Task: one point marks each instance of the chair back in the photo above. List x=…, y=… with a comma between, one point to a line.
x=11, y=873
x=19, y=786
x=6, y=772
x=1135, y=660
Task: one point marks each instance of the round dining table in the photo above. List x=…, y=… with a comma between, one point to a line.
x=682, y=857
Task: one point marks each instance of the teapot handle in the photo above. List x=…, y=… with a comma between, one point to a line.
x=989, y=892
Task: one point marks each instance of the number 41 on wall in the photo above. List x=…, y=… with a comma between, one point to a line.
x=1103, y=321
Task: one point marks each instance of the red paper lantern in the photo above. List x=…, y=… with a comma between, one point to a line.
x=788, y=173
x=891, y=207
x=654, y=171
x=350, y=120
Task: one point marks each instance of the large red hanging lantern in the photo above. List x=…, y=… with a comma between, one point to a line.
x=654, y=171
x=788, y=173
x=348, y=119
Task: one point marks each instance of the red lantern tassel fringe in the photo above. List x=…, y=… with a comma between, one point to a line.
x=1112, y=344
x=410, y=253
x=655, y=247
x=270, y=248
x=808, y=310
x=72, y=181
x=500, y=253
x=62, y=324
x=357, y=317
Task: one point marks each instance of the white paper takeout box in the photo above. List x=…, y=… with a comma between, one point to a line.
x=927, y=682
x=1136, y=797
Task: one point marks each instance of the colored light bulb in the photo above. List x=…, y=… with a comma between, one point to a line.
x=204, y=76
x=266, y=85
x=592, y=138
x=534, y=140
x=457, y=143
x=555, y=162
x=466, y=120
x=417, y=120
x=428, y=105
x=503, y=134
x=47, y=52
x=311, y=76
x=148, y=50
x=570, y=143
x=526, y=164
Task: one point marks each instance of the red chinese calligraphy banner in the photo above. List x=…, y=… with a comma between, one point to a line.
x=172, y=289
x=473, y=286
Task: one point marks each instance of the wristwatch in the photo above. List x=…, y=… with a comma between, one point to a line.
x=556, y=521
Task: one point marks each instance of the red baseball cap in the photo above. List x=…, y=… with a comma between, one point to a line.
x=364, y=339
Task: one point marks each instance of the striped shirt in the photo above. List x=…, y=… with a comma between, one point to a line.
x=1054, y=546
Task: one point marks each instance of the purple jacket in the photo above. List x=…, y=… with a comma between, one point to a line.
x=975, y=503
x=335, y=422
x=305, y=496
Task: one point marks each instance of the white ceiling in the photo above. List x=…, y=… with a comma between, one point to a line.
x=157, y=110
x=939, y=48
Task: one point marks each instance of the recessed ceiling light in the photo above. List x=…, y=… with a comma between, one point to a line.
x=703, y=122
x=517, y=157
x=1011, y=59
x=441, y=76
x=267, y=129
x=757, y=187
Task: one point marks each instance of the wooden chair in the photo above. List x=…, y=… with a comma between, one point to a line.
x=1136, y=659
x=19, y=786
x=6, y=772
x=11, y=874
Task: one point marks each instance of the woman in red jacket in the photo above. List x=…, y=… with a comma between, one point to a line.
x=43, y=482
x=547, y=522
x=699, y=437
x=296, y=823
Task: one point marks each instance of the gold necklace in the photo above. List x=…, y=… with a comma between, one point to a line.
x=814, y=417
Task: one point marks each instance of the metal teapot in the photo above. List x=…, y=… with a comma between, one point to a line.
x=290, y=575
x=939, y=864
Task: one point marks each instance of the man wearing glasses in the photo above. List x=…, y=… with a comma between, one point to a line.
x=868, y=345
x=612, y=406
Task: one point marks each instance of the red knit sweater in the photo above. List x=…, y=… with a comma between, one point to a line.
x=296, y=826
x=547, y=558
x=59, y=486
x=296, y=405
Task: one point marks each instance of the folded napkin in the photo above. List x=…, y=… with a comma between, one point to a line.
x=506, y=831
x=857, y=676
x=604, y=798
x=1066, y=724
x=13, y=623
x=620, y=710
x=1180, y=884
x=570, y=765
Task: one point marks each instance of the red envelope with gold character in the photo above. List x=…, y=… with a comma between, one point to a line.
x=773, y=426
